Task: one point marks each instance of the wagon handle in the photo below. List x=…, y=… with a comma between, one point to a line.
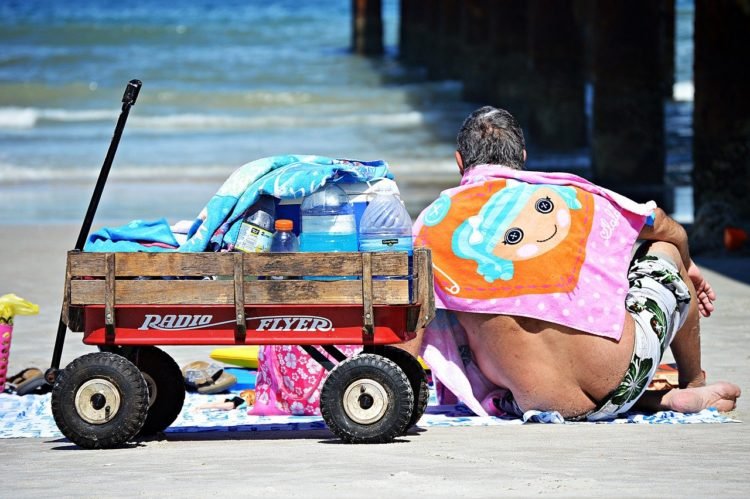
x=128, y=100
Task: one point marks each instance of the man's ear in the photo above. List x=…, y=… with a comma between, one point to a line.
x=460, y=162
x=524, y=155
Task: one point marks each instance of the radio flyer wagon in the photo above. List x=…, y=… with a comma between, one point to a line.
x=130, y=387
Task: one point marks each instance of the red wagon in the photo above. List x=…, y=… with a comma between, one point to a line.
x=129, y=303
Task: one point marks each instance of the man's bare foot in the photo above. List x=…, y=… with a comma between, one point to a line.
x=721, y=395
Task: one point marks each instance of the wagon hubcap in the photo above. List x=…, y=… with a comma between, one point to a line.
x=97, y=401
x=365, y=401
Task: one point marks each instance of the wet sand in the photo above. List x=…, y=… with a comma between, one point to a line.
x=569, y=460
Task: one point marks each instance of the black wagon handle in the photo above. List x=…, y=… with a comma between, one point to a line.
x=128, y=100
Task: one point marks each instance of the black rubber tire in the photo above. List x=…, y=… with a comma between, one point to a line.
x=88, y=389
x=166, y=387
x=374, y=385
x=417, y=377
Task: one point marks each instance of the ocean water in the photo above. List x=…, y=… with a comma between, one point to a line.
x=224, y=83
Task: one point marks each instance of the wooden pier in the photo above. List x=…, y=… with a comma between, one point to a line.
x=536, y=58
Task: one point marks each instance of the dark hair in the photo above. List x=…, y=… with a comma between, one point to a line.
x=491, y=136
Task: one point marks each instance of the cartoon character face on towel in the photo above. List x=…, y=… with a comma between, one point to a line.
x=501, y=238
x=520, y=222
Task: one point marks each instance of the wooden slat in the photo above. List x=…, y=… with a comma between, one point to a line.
x=368, y=319
x=320, y=292
x=85, y=264
x=424, y=286
x=190, y=292
x=239, y=300
x=156, y=292
x=175, y=264
x=65, y=314
x=324, y=264
x=110, y=294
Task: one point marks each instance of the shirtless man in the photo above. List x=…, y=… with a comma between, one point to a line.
x=550, y=367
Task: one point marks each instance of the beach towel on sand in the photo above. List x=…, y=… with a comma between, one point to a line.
x=550, y=246
x=218, y=224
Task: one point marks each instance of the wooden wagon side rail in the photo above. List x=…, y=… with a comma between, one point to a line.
x=112, y=279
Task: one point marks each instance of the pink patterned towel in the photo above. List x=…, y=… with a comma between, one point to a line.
x=551, y=246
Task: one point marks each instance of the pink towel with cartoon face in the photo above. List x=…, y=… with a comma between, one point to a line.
x=551, y=246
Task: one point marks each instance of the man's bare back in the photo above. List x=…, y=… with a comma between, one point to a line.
x=545, y=365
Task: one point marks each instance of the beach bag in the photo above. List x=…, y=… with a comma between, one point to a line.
x=289, y=381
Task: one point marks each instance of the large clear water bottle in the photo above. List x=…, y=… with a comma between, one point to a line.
x=385, y=225
x=328, y=222
x=257, y=227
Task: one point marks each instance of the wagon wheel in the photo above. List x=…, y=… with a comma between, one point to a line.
x=100, y=400
x=417, y=377
x=166, y=387
x=367, y=399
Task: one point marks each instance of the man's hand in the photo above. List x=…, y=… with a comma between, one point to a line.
x=703, y=290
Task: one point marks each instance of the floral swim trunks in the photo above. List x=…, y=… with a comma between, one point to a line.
x=658, y=300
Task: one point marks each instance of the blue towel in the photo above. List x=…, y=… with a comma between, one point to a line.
x=132, y=237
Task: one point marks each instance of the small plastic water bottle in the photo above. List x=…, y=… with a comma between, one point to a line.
x=386, y=226
x=257, y=227
x=284, y=241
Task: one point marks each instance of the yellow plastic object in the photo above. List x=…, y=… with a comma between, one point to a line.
x=11, y=305
x=247, y=356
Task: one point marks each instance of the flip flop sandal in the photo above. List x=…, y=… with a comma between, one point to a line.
x=208, y=378
x=667, y=377
x=199, y=373
x=35, y=386
x=222, y=384
x=25, y=375
x=30, y=380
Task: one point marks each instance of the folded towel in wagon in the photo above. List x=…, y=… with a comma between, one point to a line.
x=137, y=235
x=217, y=225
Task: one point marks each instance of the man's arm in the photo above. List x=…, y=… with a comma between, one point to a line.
x=668, y=230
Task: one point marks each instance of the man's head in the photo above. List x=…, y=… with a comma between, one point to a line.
x=490, y=136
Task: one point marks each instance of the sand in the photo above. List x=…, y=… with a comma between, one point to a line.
x=570, y=460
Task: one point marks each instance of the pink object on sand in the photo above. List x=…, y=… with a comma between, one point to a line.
x=6, y=334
